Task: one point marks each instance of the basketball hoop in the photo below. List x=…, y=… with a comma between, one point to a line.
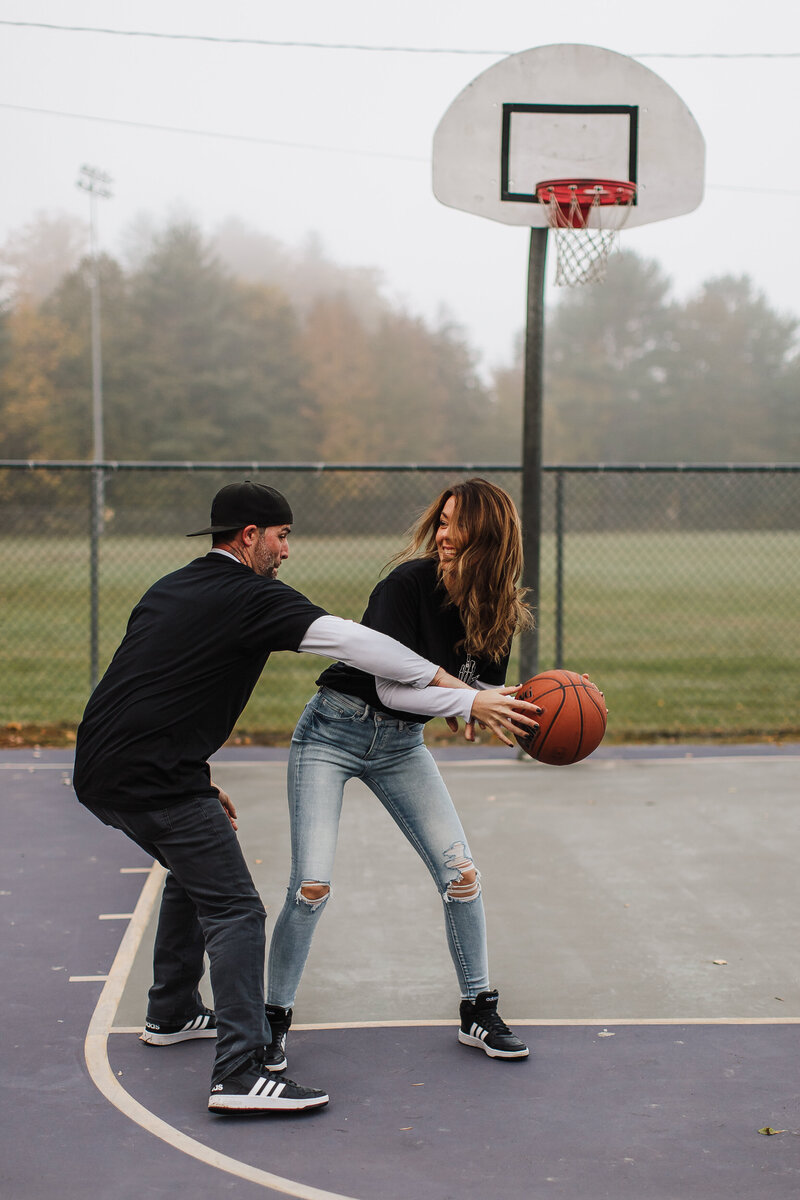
x=586, y=216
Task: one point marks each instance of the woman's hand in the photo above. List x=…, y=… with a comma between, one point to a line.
x=498, y=709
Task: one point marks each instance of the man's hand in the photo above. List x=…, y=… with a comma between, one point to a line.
x=226, y=803
x=469, y=728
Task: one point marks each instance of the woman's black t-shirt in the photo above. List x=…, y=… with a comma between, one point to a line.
x=412, y=606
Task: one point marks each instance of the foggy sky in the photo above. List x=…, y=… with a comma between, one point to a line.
x=352, y=132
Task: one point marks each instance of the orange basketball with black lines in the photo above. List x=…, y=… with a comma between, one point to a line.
x=573, y=720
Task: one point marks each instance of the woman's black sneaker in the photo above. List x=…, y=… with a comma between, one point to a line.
x=280, y=1020
x=157, y=1033
x=256, y=1089
x=482, y=1026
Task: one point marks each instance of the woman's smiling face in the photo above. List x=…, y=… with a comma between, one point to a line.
x=445, y=532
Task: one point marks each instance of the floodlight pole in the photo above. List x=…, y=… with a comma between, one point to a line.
x=532, y=446
x=96, y=184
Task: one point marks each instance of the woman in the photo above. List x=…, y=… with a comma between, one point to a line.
x=454, y=598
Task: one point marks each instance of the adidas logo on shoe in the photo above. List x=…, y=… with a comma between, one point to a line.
x=204, y=1025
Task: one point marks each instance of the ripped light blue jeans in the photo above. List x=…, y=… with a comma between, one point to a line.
x=338, y=738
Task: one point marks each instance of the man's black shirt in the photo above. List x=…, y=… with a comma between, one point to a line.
x=194, y=648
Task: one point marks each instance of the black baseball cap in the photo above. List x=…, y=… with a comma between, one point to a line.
x=240, y=504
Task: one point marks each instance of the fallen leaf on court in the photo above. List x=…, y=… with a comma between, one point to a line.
x=605, y=1033
x=259, y=860
x=405, y=1128
x=720, y=962
x=768, y=1131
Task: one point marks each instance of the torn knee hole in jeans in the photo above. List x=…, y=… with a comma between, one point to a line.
x=312, y=893
x=467, y=883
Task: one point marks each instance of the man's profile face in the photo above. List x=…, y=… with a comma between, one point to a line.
x=270, y=549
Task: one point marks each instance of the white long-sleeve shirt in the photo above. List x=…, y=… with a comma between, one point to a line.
x=370, y=651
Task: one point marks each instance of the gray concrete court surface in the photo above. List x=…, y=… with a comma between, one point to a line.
x=618, y=888
x=643, y=913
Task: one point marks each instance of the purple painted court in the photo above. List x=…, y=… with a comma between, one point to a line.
x=642, y=909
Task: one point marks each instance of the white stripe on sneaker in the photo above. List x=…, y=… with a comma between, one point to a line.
x=267, y=1087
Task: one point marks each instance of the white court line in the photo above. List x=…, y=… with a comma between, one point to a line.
x=96, y=1054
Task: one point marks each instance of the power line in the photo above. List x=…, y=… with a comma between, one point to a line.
x=229, y=137
x=243, y=41
x=243, y=137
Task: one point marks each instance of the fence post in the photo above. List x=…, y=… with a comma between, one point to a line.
x=95, y=524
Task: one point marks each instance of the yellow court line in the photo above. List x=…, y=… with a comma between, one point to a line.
x=101, y=1025
x=96, y=1054
x=688, y=757
x=547, y=1021
x=537, y=1022
x=526, y=763
x=617, y=760
x=37, y=766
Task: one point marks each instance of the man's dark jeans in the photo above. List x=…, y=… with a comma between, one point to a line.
x=209, y=904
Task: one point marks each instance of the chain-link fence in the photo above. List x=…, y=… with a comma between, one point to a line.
x=676, y=588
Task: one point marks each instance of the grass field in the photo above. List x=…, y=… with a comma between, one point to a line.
x=689, y=635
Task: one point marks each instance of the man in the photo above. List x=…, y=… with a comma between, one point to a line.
x=195, y=645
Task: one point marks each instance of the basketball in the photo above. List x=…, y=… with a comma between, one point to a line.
x=573, y=720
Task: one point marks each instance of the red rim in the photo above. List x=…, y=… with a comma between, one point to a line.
x=586, y=192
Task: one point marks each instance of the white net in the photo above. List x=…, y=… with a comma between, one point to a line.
x=582, y=249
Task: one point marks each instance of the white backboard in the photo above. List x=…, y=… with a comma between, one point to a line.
x=567, y=111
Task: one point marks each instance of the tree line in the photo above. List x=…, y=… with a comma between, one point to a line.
x=232, y=347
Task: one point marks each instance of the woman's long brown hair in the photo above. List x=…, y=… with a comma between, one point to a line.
x=484, y=575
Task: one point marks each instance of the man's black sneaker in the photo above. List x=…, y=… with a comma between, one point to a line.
x=156, y=1033
x=280, y=1020
x=482, y=1026
x=256, y=1089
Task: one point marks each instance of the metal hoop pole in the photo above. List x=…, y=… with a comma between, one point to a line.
x=532, y=445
